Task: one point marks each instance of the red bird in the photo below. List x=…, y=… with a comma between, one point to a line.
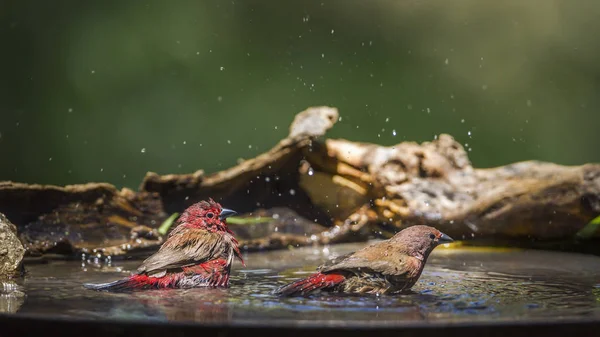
x=386, y=267
x=198, y=253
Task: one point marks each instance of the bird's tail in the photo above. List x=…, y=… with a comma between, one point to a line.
x=314, y=282
x=126, y=284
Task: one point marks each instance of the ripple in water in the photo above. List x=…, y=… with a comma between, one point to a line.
x=457, y=285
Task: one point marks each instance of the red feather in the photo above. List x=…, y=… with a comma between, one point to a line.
x=202, y=237
x=314, y=282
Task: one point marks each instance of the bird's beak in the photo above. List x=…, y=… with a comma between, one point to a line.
x=225, y=213
x=444, y=239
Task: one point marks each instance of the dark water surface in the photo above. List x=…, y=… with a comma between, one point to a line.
x=458, y=285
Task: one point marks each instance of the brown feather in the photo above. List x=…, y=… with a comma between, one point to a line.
x=185, y=247
x=388, y=266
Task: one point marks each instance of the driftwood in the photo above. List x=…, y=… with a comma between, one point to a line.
x=434, y=183
x=82, y=218
x=323, y=191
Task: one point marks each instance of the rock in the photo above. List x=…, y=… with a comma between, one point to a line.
x=11, y=249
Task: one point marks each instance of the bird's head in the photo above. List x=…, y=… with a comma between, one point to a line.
x=207, y=215
x=420, y=240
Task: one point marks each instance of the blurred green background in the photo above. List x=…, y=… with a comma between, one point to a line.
x=108, y=90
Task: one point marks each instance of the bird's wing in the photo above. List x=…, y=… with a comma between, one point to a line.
x=333, y=261
x=380, y=258
x=355, y=264
x=184, y=248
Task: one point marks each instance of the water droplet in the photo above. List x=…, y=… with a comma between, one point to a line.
x=184, y=142
x=275, y=127
x=93, y=71
x=101, y=170
x=222, y=68
x=462, y=120
x=228, y=141
x=70, y=110
x=50, y=159
x=529, y=102
x=143, y=150
x=249, y=146
x=387, y=119
x=267, y=179
x=220, y=98
x=446, y=62
x=394, y=133
x=428, y=110
x=332, y=31
x=310, y=171
x=292, y=191
x=322, y=56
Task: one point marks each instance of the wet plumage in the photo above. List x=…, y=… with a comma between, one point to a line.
x=198, y=252
x=390, y=266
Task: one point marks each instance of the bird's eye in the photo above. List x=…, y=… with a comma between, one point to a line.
x=210, y=215
x=431, y=236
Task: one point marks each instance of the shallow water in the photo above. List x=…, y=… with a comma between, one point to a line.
x=457, y=285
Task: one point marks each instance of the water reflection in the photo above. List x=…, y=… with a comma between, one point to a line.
x=11, y=297
x=457, y=285
x=198, y=305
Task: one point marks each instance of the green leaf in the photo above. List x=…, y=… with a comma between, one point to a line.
x=596, y=292
x=248, y=221
x=164, y=228
x=589, y=229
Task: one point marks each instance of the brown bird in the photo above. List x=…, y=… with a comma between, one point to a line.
x=199, y=252
x=386, y=267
